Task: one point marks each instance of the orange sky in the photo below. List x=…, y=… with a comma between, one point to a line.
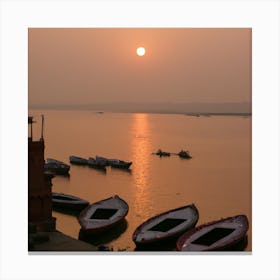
x=100, y=65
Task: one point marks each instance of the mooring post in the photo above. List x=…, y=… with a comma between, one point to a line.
x=42, y=129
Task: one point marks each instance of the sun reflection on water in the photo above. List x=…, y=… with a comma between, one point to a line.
x=141, y=151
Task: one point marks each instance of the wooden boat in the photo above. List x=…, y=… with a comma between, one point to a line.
x=68, y=202
x=184, y=154
x=57, y=167
x=103, y=215
x=78, y=160
x=116, y=163
x=92, y=162
x=165, y=226
x=161, y=153
x=51, y=160
x=214, y=236
x=102, y=159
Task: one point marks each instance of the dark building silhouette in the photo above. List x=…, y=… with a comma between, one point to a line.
x=39, y=184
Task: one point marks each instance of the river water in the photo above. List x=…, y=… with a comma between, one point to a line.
x=217, y=179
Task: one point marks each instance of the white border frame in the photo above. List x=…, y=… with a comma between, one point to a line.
x=17, y=16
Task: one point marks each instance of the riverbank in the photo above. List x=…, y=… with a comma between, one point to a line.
x=57, y=241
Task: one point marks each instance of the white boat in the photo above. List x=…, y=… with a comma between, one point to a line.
x=78, y=160
x=103, y=215
x=166, y=226
x=215, y=236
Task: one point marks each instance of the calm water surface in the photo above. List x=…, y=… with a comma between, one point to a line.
x=217, y=179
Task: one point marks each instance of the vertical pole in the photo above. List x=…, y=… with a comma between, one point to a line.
x=31, y=131
x=42, y=130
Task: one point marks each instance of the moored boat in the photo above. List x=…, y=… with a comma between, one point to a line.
x=68, y=202
x=166, y=226
x=92, y=162
x=161, y=153
x=51, y=160
x=104, y=160
x=184, y=154
x=214, y=236
x=116, y=163
x=57, y=167
x=78, y=160
x=102, y=215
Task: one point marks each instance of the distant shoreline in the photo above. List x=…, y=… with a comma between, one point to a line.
x=190, y=109
x=209, y=114
x=218, y=114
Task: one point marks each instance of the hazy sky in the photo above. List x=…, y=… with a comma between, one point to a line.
x=100, y=65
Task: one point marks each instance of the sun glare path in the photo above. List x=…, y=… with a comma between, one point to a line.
x=140, y=149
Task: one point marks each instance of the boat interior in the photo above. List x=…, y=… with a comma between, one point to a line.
x=213, y=236
x=167, y=224
x=103, y=213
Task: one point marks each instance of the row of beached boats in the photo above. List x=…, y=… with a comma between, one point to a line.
x=181, y=154
x=60, y=168
x=176, y=225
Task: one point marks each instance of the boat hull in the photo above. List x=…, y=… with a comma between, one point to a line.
x=215, y=236
x=101, y=216
x=166, y=226
x=124, y=166
x=93, y=163
x=78, y=160
x=120, y=164
x=163, y=154
x=57, y=167
x=184, y=154
x=104, y=160
x=68, y=202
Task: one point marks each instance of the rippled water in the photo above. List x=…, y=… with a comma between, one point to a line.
x=217, y=179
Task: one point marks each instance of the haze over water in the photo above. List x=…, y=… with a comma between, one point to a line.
x=217, y=179
x=184, y=70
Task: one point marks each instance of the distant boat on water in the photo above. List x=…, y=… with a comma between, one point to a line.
x=102, y=215
x=78, y=160
x=94, y=163
x=103, y=160
x=184, y=154
x=215, y=236
x=166, y=226
x=161, y=153
x=116, y=163
x=57, y=167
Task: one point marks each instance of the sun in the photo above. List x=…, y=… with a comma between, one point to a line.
x=140, y=51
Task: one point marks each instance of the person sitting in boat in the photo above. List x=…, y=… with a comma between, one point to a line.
x=159, y=152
